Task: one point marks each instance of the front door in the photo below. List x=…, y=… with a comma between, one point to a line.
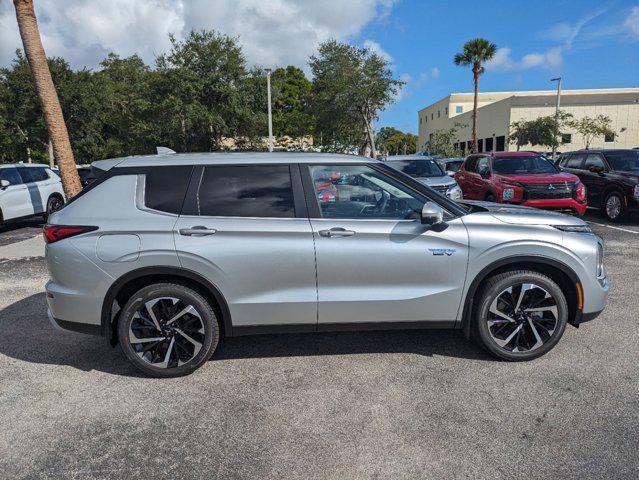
x=249, y=235
x=376, y=262
x=14, y=200
x=595, y=181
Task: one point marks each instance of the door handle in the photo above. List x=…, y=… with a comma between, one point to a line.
x=198, y=230
x=336, y=232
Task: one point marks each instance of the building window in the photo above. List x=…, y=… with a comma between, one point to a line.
x=489, y=144
x=420, y=120
x=439, y=113
x=501, y=143
x=459, y=109
x=566, y=138
x=446, y=110
x=480, y=145
x=609, y=138
x=432, y=116
x=430, y=137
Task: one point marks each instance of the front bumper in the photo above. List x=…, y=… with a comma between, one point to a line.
x=569, y=204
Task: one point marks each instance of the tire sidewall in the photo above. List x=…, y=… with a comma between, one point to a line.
x=489, y=295
x=211, y=328
x=605, y=203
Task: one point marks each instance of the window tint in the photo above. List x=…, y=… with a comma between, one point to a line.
x=359, y=191
x=165, y=188
x=247, y=191
x=522, y=164
x=32, y=174
x=594, y=160
x=471, y=164
x=417, y=168
x=10, y=175
x=627, y=161
x=573, y=161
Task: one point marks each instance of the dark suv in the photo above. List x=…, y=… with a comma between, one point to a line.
x=611, y=177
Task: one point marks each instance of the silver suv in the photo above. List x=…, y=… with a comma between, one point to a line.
x=166, y=254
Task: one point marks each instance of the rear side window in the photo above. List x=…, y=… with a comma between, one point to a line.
x=10, y=175
x=165, y=188
x=32, y=174
x=246, y=191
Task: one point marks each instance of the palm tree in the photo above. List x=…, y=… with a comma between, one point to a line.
x=53, y=118
x=476, y=52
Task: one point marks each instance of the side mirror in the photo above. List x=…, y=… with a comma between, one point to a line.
x=432, y=214
x=485, y=173
x=596, y=169
x=4, y=184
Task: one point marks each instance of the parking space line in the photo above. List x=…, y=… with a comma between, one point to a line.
x=616, y=228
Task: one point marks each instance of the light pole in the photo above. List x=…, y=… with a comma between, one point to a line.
x=270, y=117
x=558, y=80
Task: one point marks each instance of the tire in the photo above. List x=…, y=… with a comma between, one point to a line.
x=188, y=341
x=519, y=341
x=613, y=208
x=54, y=204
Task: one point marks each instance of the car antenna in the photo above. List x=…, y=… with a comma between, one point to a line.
x=164, y=151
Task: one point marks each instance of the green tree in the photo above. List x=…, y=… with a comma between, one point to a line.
x=475, y=54
x=350, y=86
x=291, y=103
x=395, y=142
x=591, y=127
x=441, y=142
x=543, y=131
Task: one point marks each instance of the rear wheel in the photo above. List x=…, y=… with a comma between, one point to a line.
x=168, y=330
x=520, y=315
x=613, y=207
x=54, y=204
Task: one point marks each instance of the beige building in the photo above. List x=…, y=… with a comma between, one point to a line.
x=498, y=110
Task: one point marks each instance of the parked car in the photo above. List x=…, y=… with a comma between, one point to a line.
x=428, y=171
x=167, y=255
x=85, y=173
x=27, y=190
x=611, y=176
x=522, y=178
x=450, y=165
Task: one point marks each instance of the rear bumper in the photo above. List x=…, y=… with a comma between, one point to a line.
x=62, y=325
x=561, y=204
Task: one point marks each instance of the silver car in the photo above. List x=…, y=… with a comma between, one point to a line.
x=428, y=171
x=165, y=255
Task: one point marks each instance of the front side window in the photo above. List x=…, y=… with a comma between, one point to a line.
x=246, y=191
x=517, y=164
x=483, y=168
x=625, y=161
x=417, y=168
x=11, y=175
x=471, y=164
x=359, y=191
x=594, y=160
x=573, y=161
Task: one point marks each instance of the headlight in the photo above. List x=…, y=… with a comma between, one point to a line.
x=574, y=228
x=454, y=193
x=508, y=194
x=600, y=254
x=635, y=192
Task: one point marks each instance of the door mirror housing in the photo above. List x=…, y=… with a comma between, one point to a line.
x=432, y=214
x=4, y=184
x=485, y=173
x=596, y=169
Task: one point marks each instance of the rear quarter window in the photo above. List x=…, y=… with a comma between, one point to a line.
x=165, y=188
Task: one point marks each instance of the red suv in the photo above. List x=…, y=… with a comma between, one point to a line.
x=524, y=178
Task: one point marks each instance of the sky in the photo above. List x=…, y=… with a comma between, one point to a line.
x=590, y=44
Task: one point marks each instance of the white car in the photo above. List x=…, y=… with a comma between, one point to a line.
x=28, y=190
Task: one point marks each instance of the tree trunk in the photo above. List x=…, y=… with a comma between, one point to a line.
x=476, y=82
x=51, y=155
x=370, y=135
x=53, y=118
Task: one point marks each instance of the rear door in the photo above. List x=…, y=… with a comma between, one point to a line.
x=376, y=262
x=14, y=199
x=245, y=228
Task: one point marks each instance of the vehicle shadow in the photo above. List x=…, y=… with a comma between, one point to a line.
x=14, y=231
x=29, y=336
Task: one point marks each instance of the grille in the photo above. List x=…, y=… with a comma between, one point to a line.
x=551, y=190
x=440, y=189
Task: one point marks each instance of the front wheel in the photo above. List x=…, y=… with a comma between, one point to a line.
x=168, y=330
x=520, y=315
x=613, y=207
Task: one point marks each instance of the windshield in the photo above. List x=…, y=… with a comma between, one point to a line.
x=624, y=161
x=522, y=164
x=417, y=168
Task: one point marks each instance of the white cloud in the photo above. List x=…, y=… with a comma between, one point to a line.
x=377, y=48
x=631, y=24
x=404, y=91
x=568, y=32
x=273, y=32
x=434, y=73
x=502, y=60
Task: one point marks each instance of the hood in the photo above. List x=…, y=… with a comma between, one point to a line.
x=520, y=215
x=539, y=177
x=443, y=181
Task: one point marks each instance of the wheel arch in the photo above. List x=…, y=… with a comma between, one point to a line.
x=125, y=286
x=558, y=271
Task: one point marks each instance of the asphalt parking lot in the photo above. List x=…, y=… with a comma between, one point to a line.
x=418, y=404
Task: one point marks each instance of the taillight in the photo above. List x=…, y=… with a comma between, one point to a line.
x=53, y=233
